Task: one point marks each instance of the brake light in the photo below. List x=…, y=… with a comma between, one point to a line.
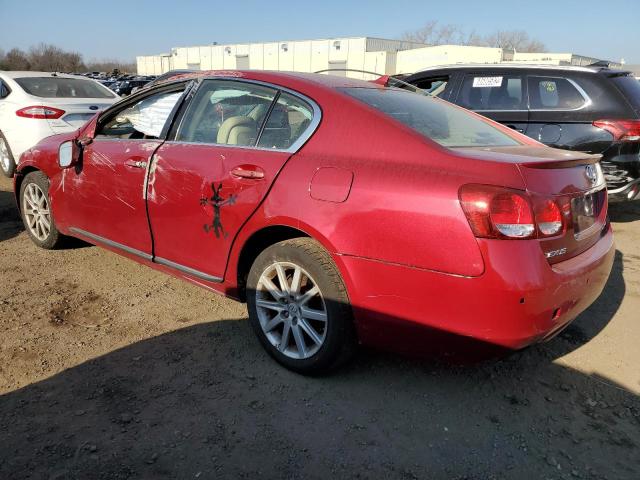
x=622, y=130
x=40, y=112
x=548, y=218
x=497, y=212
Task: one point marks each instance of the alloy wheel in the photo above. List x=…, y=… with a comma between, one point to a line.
x=5, y=159
x=291, y=310
x=36, y=211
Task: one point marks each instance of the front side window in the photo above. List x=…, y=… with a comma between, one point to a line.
x=492, y=92
x=554, y=93
x=144, y=119
x=226, y=113
x=433, y=86
x=287, y=122
x=61, y=87
x=436, y=119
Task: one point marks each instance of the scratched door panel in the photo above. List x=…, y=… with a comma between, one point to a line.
x=196, y=205
x=108, y=192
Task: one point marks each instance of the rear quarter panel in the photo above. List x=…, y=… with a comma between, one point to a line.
x=403, y=203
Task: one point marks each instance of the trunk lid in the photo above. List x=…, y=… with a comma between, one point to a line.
x=573, y=180
x=77, y=111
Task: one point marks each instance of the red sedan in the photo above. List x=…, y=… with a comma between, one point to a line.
x=341, y=211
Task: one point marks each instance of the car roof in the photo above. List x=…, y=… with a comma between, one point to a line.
x=524, y=66
x=23, y=74
x=277, y=77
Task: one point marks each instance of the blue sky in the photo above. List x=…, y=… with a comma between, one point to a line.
x=123, y=29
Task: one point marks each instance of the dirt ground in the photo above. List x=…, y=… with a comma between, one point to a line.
x=110, y=370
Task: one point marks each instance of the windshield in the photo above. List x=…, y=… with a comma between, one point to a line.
x=437, y=120
x=60, y=87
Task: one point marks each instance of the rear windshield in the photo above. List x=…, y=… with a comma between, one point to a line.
x=630, y=87
x=58, y=87
x=437, y=120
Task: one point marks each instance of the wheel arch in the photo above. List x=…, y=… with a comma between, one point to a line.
x=19, y=178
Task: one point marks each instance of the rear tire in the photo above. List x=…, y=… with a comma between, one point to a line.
x=36, y=211
x=7, y=163
x=305, y=321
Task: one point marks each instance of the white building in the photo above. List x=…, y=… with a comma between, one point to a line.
x=414, y=60
x=381, y=56
x=359, y=53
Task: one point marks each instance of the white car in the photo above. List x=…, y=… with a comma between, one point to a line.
x=35, y=105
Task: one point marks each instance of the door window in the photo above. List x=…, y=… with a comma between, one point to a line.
x=492, y=92
x=226, y=113
x=288, y=120
x=144, y=119
x=554, y=93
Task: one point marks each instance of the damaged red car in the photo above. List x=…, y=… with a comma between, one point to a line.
x=341, y=211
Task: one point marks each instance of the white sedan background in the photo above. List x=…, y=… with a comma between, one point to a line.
x=36, y=105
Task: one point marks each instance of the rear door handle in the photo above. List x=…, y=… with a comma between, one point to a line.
x=513, y=127
x=248, y=171
x=135, y=163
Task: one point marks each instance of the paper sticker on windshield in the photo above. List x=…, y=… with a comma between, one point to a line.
x=485, y=82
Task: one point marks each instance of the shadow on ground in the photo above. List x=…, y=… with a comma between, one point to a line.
x=625, y=211
x=207, y=402
x=10, y=222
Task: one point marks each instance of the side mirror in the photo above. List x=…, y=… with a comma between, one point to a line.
x=4, y=91
x=69, y=154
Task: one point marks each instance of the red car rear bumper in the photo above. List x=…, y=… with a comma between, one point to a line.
x=520, y=299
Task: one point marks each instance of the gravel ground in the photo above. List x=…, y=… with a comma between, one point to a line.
x=110, y=370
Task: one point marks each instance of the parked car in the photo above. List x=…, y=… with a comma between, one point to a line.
x=591, y=109
x=126, y=87
x=339, y=210
x=35, y=105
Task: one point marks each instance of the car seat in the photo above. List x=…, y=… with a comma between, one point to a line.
x=238, y=130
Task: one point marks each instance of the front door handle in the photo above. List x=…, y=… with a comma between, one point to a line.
x=253, y=172
x=135, y=163
x=513, y=127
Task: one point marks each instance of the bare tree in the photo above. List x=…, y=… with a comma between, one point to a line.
x=432, y=33
x=109, y=65
x=50, y=58
x=16, y=59
x=517, y=40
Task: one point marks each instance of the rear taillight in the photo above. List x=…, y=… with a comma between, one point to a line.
x=622, y=130
x=497, y=212
x=40, y=112
x=548, y=218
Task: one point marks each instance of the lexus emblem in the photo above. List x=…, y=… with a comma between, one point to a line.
x=592, y=173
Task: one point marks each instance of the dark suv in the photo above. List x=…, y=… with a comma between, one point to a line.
x=591, y=109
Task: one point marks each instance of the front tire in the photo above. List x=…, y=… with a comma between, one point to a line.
x=299, y=308
x=36, y=211
x=7, y=163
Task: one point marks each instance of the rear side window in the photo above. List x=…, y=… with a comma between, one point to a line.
x=436, y=119
x=288, y=120
x=630, y=88
x=554, y=93
x=59, y=87
x=492, y=92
